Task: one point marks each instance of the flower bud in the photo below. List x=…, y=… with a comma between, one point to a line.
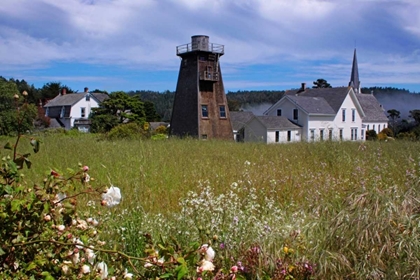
x=47, y=218
x=85, y=168
x=16, y=96
x=25, y=93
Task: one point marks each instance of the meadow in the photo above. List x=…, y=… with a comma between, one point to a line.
x=327, y=210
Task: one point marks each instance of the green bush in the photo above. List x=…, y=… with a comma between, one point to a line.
x=127, y=131
x=371, y=135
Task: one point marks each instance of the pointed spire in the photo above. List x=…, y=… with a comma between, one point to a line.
x=354, y=77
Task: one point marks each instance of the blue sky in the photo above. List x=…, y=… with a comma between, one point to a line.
x=269, y=44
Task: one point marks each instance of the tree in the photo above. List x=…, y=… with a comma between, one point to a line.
x=119, y=108
x=415, y=114
x=394, y=115
x=321, y=83
x=51, y=90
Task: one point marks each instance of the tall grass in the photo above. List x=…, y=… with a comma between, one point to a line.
x=350, y=208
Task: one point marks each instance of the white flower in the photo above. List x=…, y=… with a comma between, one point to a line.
x=65, y=269
x=90, y=256
x=127, y=275
x=59, y=197
x=75, y=258
x=161, y=261
x=82, y=224
x=85, y=269
x=78, y=241
x=112, y=197
x=205, y=266
x=102, y=269
x=208, y=251
x=61, y=227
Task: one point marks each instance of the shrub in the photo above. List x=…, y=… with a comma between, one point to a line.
x=371, y=135
x=161, y=129
x=127, y=131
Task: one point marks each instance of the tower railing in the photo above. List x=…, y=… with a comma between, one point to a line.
x=210, y=47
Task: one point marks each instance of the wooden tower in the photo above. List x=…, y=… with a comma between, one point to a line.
x=200, y=107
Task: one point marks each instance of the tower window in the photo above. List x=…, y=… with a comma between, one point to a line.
x=353, y=115
x=344, y=115
x=278, y=112
x=204, y=111
x=222, y=109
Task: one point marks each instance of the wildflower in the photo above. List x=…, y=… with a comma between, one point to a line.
x=54, y=173
x=85, y=269
x=47, y=218
x=111, y=197
x=59, y=197
x=25, y=93
x=75, y=258
x=65, y=269
x=61, y=227
x=234, y=269
x=78, y=241
x=85, y=168
x=102, y=270
x=205, y=266
x=208, y=251
x=247, y=163
x=86, y=178
x=127, y=275
x=90, y=255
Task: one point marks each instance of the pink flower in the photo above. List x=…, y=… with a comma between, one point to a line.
x=85, y=168
x=234, y=269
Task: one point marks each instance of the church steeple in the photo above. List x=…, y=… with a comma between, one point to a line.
x=354, y=77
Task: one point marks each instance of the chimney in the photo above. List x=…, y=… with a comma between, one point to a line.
x=63, y=91
x=86, y=89
x=303, y=87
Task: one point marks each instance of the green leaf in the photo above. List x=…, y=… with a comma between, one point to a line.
x=31, y=266
x=16, y=204
x=180, y=260
x=2, y=252
x=166, y=275
x=8, y=146
x=183, y=269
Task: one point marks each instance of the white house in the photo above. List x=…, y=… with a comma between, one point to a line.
x=313, y=114
x=322, y=113
x=73, y=110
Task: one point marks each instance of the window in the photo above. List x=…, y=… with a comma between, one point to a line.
x=62, y=112
x=379, y=127
x=47, y=112
x=204, y=111
x=83, y=112
x=368, y=127
x=341, y=134
x=277, y=136
x=278, y=112
x=295, y=114
x=87, y=97
x=354, y=134
x=353, y=115
x=204, y=136
x=373, y=127
x=344, y=115
x=330, y=134
x=222, y=109
x=289, y=135
x=312, y=134
x=321, y=134
x=363, y=133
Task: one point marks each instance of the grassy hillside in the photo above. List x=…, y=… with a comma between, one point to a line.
x=346, y=210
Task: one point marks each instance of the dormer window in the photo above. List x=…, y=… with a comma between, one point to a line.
x=278, y=112
x=62, y=112
x=87, y=97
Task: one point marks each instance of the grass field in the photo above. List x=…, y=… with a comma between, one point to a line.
x=348, y=210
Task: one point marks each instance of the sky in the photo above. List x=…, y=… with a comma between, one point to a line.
x=269, y=44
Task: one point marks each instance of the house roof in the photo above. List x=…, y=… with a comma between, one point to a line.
x=373, y=110
x=239, y=119
x=72, y=98
x=334, y=97
x=276, y=122
x=312, y=105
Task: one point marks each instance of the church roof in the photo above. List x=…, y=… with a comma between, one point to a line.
x=374, y=112
x=354, y=76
